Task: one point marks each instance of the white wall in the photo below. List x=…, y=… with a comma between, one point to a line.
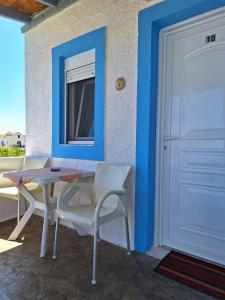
x=120, y=17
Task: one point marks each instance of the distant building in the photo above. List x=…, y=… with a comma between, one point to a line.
x=12, y=139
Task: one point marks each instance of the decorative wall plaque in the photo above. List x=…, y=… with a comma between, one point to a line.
x=120, y=83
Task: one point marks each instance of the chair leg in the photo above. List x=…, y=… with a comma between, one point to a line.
x=56, y=238
x=127, y=235
x=18, y=211
x=95, y=257
x=52, y=217
x=98, y=236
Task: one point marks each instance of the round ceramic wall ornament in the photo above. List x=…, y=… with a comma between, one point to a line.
x=120, y=83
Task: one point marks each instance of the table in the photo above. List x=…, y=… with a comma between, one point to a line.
x=44, y=177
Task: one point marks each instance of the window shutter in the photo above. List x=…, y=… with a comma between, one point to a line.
x=80, y=66
x=77, y=74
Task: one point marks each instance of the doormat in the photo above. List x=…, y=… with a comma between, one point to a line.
x=198, y=274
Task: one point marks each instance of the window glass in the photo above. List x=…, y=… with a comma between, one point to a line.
x=80, y=110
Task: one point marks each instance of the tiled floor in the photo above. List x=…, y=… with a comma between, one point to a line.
x=23, y=275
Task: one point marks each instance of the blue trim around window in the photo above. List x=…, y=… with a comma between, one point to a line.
x=92, y=40
x=151, y=21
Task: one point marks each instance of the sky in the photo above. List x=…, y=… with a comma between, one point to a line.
x=12, y=83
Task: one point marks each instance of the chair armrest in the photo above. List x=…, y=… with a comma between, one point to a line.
x=117, y=192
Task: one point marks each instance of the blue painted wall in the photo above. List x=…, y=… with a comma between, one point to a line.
x=150, y=21
x=92, y=40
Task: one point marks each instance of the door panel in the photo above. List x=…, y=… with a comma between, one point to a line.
x=207, y=222
x=202, y=100
x=194, y=140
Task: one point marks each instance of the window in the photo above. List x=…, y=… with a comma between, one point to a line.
x=80, y=98
x=78, y=91
x=80, y=111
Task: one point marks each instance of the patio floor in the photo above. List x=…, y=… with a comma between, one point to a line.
x=23, y=275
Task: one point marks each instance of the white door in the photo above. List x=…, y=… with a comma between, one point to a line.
x=193, y=182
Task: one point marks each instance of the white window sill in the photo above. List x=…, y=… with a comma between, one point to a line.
x=81, y=143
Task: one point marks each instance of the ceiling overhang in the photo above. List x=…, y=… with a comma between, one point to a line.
x=31, y=12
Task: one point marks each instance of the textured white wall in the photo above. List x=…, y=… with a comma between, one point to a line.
x=120, y=17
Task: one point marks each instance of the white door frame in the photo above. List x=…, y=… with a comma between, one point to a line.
x=161, y=101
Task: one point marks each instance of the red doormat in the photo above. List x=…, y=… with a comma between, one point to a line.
x=196, y=273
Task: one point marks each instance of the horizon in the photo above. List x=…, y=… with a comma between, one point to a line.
x=12, y=77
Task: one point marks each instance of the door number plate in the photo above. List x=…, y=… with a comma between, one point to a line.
x=210, y=38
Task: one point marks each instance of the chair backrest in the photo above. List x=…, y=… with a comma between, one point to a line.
x=8, y=164
x=110, y=176
x=11, y=163
x=33, y=162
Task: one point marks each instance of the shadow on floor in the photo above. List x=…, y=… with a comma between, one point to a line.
x=26, y=276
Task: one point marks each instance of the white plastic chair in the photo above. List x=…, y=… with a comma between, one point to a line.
x=10, y=191
x=107, y=202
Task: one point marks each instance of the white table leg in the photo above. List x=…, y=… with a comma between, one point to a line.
x=46, y=220
x=52, y=214
x=18, y=208
x=52, y=217
x=30, y=198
